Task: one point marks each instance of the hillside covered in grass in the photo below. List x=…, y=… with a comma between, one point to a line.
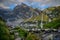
x=50, y=15
x=54, y=14
x=4, y=31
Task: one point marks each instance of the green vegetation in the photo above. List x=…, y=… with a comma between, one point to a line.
x=4, y=31
x=22, y=33
x=32, y=36
x=55, y=17
x=52, y=13
x=54, y=24
x=26, y=35
x=37, y=18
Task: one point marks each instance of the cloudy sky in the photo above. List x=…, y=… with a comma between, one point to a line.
x=34, y=3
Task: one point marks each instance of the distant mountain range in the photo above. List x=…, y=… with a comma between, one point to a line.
x=19, y=14
x=25, y=13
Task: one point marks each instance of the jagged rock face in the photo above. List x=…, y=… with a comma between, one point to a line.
x=19, y=14
x=24, y=11
x=5, y=13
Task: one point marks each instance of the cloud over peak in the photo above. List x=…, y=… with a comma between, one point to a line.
x=42, y=3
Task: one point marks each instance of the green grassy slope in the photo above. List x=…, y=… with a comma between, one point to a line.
x=4, y=31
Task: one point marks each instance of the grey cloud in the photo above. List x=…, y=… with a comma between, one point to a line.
x=42, y=2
